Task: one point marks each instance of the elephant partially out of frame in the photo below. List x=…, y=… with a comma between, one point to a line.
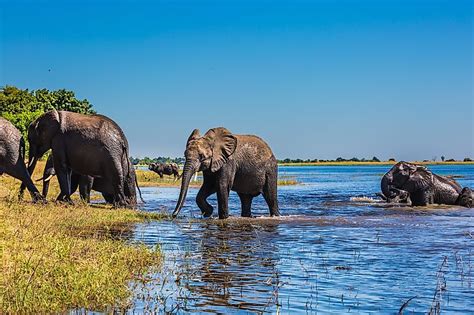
x=419, y=186
x=12, y=157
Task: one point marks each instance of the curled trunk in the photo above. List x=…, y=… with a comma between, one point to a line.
x=188, y=172
x=385, y=184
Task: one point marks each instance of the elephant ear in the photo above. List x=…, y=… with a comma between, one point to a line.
x=47, y=126
x=421, y=178
x=223, y=144
x=193, y=136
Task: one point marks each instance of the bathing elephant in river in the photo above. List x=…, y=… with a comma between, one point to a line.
x=85, y=183
x=165, y=168
x=242, y=163
x=91, y=145
x=12, y=157
x=422, y=187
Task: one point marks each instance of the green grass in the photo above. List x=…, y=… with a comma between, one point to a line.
x=56, y=258
x=151, y=179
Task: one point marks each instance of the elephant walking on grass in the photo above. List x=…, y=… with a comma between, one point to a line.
x=90, y=145
x=242, y=163
x=407, y=182
x=165, y=169
x=12, y=157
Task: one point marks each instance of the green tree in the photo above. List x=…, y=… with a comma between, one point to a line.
x=21, y=107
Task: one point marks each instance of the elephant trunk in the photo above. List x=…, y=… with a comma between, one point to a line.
x=46, y=187
x=386, y=182
x=32, y=159
x=188, y=172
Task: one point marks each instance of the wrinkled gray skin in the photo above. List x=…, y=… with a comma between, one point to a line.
x=165, y=168
x=242, y=163
x=84, y=183
x=12, y=157
x=90, y=145
x=423, y=187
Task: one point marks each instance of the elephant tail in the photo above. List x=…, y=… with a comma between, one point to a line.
x=22, y=157
x=129, y=171
x=139, y=191
x=22, y=149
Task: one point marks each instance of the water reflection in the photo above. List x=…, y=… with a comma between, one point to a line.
x=327, y=254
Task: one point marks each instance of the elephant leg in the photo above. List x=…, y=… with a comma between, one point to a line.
x=46, y=187
x=246, y=202
x=108, y=198
x=421, y=199
x=270, y=193
x=85, y=187
x=118, y=183
x=64, y=179
x=223, y=199
x=75, y=182
x=201, y=199
x=20, y=172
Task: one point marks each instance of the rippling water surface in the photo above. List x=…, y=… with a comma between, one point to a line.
x=328, y=252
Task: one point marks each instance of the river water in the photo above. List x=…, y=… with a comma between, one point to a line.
x=333, y=250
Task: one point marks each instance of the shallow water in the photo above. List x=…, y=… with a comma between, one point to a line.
x=330, y=251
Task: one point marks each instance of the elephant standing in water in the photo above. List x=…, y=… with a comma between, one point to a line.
x=12, y=157
x=242, y=163
x=407, y=181
x=85, y=183
x=91, y=145
x=166, y=169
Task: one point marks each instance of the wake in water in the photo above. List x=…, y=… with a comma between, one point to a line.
x=365, y=199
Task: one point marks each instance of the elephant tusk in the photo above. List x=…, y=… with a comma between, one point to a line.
x=47, y=179
x=32, y=160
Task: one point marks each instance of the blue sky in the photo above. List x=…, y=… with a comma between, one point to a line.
x=316, y=79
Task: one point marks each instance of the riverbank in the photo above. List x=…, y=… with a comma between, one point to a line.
x=56, y=258
x=59, y=257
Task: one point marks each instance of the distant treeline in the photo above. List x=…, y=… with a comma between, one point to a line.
x=339, y=159
x=354, y=159
x=162, y=159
